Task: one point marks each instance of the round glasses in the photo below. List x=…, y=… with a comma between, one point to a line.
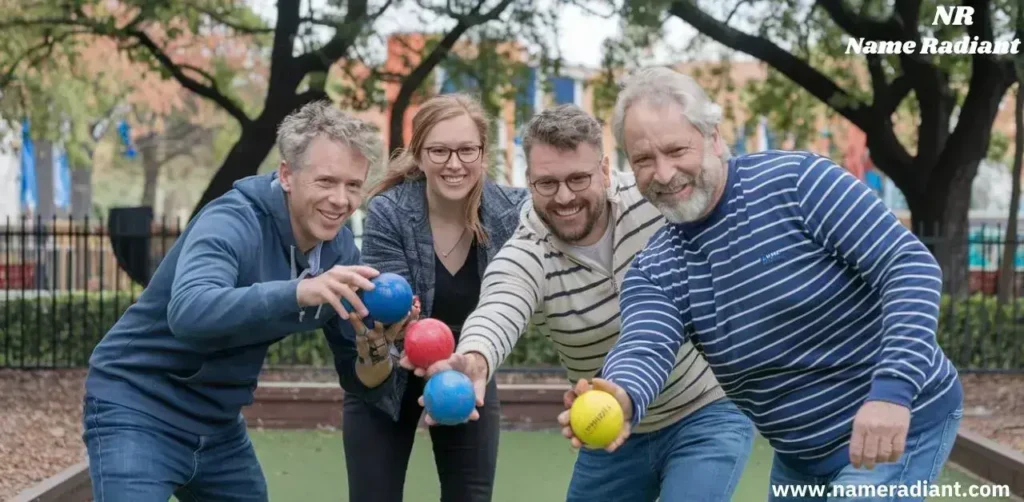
x=466, y=154
x=576, y=183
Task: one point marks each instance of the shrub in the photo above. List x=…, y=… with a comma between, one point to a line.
x=60, y=330
x=976, y=333
x=56, y=329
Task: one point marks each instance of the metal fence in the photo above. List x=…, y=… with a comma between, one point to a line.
x=64, y=283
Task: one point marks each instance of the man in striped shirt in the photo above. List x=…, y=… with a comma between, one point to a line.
x=563, y=270
x=814, y=305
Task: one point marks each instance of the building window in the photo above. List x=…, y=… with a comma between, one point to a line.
x=564, y=89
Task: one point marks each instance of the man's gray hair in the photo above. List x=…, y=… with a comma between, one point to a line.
x=563, y=127
x=661, y=86
x=324, y=118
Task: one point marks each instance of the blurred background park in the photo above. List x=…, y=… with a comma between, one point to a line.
x=119, y=119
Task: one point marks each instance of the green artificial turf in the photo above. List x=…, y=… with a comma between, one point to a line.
x=309, y=466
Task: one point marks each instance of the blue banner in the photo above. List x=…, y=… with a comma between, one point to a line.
x=61, y=177
x=740, y=148
x=29, y=191
x=125, y=131
x=874, y=180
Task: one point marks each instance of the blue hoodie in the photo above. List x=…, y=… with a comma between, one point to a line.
x=190, y=350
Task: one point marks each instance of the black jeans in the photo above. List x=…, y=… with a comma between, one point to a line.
x=377, y=449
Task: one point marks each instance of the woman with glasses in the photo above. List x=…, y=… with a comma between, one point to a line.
x=436, y=220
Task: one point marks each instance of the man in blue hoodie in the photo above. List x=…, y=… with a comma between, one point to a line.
x=269, y=258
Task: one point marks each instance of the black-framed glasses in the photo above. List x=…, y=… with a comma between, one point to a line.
x=576, y=183
x=441, y=154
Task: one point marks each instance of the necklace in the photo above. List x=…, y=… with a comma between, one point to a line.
x=445, y=255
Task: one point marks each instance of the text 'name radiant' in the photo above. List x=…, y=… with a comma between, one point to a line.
x=964, y=45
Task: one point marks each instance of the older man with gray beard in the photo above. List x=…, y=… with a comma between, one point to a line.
x=815, y=307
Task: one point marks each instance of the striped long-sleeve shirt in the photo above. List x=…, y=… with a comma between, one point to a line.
x=807, y=296
x=573, y=300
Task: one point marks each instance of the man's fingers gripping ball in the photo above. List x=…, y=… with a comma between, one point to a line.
x=386, y=298
x=596, y=418
x=363, y=270
x=449, y=399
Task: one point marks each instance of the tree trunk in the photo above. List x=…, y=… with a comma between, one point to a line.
x=1007, y=266
x=396, y=121
x=418, y=75
x=148, y=150
x=245, y=157
x=939, y=217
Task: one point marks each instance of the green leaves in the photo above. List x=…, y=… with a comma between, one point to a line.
x=103, y=59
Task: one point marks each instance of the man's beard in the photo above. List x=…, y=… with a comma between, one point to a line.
x=574, y=235
x=699, y=201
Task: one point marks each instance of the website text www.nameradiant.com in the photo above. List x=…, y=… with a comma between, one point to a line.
x=919, y=489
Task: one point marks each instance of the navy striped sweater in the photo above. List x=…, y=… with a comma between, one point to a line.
x=807, y=297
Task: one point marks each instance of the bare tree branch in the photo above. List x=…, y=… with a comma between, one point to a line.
x=321, y=21
x=982, y=25
x=585, y=6
x=373, y=16
x=887, y=96
x=44, y=49
x=145, y=41
x=309, y=96
x=907, y=13
x=473, y=17
x=283, y=74
x=201, y=72
x=41, y=21
x=416, y=78
x=899, y=89
x=492, y=14
x=803, y=74
x=346, y=35
x=234, y=25
x=734, y=10
x=860, y=26
x=796, y=69
x=207, y=91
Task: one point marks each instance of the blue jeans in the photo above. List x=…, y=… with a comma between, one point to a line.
x=133, y=457
x=923, y=457
x=699, y=458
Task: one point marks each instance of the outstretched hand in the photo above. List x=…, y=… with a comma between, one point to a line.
x=373, y=345
x=336, y=283
x=473, y=365
x=600, y=384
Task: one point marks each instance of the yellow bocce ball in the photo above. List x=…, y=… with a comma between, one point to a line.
x=596, y=418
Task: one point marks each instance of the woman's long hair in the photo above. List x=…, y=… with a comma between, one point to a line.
x=405, y=165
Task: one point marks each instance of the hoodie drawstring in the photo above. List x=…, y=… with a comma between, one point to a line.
x=302, y=312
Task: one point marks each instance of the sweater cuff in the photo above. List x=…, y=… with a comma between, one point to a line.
x=891, y=389
x=634, y=401
x=471, y=345
x=280, y=298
